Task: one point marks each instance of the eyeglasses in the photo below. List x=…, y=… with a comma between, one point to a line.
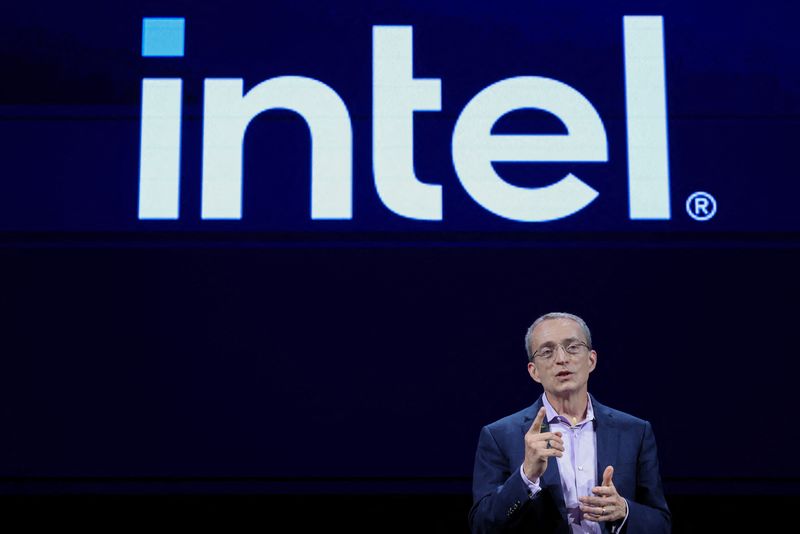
x=574, y=349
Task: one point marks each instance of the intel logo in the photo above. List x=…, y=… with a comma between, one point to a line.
x=397, y=95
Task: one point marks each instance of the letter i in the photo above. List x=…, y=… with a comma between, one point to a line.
x=159, y=164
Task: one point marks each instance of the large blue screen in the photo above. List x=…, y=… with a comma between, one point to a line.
x=296, y=245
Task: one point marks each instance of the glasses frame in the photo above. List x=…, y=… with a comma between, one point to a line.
x=567, y=353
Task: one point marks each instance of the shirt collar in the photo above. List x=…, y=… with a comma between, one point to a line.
x=553, y=417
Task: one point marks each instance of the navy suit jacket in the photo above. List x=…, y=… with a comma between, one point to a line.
x=500, y=497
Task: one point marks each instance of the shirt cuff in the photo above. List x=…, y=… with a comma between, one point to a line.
x=618, y=528
x=533, y=487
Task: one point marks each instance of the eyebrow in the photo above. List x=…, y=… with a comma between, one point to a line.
x=563, y=341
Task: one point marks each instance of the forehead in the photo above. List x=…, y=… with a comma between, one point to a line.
x=556, y=331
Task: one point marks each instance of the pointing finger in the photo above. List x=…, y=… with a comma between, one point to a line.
x=536, y=427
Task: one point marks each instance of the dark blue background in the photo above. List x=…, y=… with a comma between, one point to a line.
x=282, y=353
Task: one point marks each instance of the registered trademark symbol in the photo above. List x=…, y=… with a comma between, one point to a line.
x=701, y=206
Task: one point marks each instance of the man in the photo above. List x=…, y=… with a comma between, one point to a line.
x=567, y=463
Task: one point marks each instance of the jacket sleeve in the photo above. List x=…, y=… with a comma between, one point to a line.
x=648, y=512
x=500, y=496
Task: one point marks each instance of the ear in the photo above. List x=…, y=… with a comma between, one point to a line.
x=592, y=360
x=534, y=372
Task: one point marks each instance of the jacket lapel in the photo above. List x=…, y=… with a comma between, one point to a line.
x=607, y=438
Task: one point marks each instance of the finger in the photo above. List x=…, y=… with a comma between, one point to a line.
x=536, y=427
x=607, y=475
x=595, y=518
x=548, y=453
x=604, y=491
x=599, y=514
x=554, y=439
x=542, y=441
x=593, y=510
x=553, y=435
x=590, y=516
x=597, y=501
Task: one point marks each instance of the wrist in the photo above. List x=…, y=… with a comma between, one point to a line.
x=532, y=485
x=530, y=473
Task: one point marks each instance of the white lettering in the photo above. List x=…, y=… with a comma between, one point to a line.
x=226, y=116
x=160, y=156
x=475, y=148
x=396, y=96
x=646, y=111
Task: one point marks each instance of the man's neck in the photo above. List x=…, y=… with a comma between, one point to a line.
x=572, y=406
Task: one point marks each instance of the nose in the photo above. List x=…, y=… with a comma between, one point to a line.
x=563, y=354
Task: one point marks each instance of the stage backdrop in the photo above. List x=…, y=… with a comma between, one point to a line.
x=295, y=246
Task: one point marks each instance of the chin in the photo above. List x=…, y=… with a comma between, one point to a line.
x=565, y=387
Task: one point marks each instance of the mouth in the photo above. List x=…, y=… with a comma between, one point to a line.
x=563, y=375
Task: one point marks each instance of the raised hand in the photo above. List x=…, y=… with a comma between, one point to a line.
x=606, y=504
x=539, y=447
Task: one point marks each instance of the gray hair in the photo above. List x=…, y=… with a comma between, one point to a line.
x=555, y=315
